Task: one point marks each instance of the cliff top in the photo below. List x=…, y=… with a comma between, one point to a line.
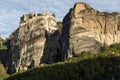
x=82, y=6
x=27, y=17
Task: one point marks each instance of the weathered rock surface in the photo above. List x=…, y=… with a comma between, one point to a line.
x=86, y=29
x=34, y=42
x=37, y=38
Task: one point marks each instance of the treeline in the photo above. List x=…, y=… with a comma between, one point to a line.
x=86, y=66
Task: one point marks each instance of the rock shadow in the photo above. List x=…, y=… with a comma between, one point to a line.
x=51, y=52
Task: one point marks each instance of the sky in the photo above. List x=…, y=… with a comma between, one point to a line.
x=12, y=10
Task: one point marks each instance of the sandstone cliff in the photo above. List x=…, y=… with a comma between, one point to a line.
x=37, y=39
x=86, y=29
x=34, y=42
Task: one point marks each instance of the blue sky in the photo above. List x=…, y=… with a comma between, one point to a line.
x=12, y=10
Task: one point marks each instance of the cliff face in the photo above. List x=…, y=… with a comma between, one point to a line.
x=86, y=29
x=34, y=42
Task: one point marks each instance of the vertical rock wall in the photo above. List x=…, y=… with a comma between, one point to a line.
x=34, y=42
x=86, y=29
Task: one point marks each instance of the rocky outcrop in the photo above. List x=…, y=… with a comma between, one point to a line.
x=34, y=42
x=86, y=29
x=37, y=39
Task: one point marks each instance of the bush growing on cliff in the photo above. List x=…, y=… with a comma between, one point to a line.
x=86, y=66
x=30, y=17
x=59, y=25
x=39, y=14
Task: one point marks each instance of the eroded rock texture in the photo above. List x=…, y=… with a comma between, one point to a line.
x=34, y=42
x=86, y=29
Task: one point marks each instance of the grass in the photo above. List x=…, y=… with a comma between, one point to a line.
x=86, y=66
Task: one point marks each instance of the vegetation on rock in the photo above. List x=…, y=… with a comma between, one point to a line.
x=59, y=25
x=39, y=14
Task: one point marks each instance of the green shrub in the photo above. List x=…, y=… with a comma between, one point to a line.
x=114, y=48
x=86, y=66
x=59, y=25
x=39, y=14
x=30, y=16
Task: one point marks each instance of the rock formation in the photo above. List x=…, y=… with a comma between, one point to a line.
x=86, y=29
x=34, y=42
x=37, y=39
